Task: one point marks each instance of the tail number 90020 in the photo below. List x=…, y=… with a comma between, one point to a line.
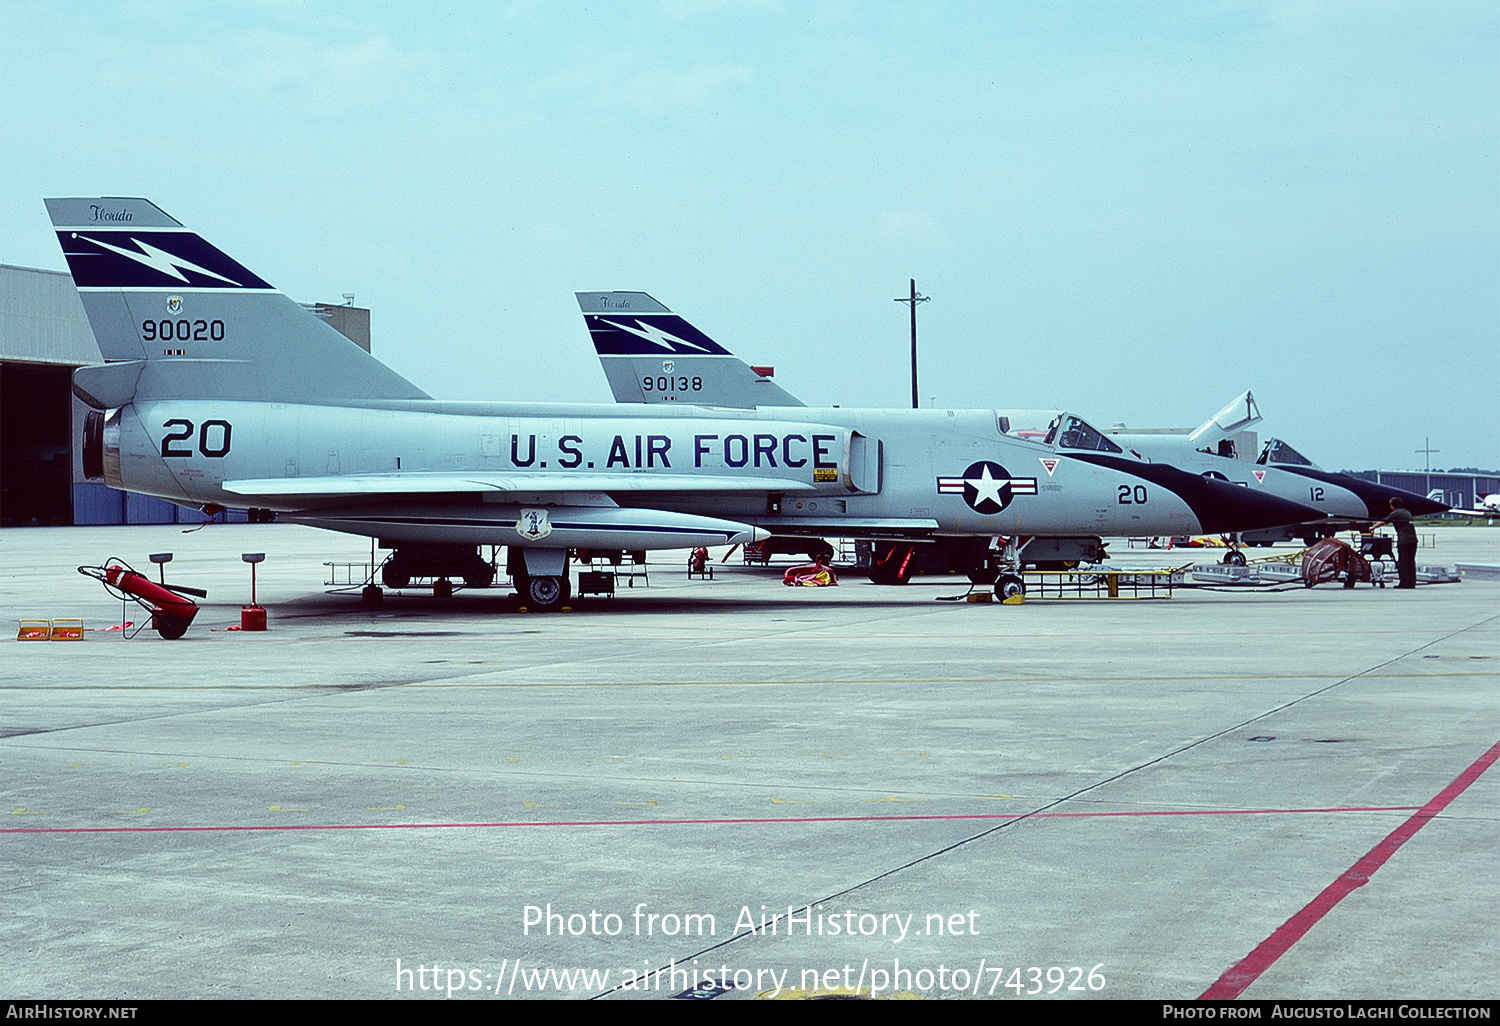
x=213, y=438
x=184, y=330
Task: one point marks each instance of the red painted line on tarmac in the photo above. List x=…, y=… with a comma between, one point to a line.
x=1248, y=969
x=694, y=822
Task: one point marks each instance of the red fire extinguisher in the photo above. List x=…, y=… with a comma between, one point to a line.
x=171, y=612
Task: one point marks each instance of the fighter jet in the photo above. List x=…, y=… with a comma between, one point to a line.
x=220, y=391
x=637, y=339
x=1343, y=495
x=652, y=355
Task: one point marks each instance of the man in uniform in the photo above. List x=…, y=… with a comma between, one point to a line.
x=1406, y=543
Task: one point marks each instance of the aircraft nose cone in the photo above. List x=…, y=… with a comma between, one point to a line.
x=1377, y=498
x=1421, y=506
x=1222, y=508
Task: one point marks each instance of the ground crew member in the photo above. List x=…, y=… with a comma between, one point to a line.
x=1406, y=543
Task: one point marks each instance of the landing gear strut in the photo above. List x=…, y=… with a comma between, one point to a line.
x=542, y=580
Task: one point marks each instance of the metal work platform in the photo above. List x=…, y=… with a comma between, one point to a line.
x=1101, y=584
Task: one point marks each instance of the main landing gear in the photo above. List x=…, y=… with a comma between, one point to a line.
x=542, y=580
x=987, y=562
x=892, y=562
x=545, y=594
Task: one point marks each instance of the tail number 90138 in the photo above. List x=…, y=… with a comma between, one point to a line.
x=665, y=383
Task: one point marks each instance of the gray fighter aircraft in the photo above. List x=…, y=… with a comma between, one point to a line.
x=1357, y=500
x=653, y=355
x=221, y=391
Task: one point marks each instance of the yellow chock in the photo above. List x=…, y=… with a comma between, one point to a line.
x=981, y=596
x=1014, y=600
x=67, y=629
x=35, y=630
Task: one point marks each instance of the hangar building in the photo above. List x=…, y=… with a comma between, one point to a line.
x=44, y=335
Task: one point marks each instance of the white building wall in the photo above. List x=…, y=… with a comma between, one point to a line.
x=42, y=319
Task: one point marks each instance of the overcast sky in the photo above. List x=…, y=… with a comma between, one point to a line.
x=1130, y=210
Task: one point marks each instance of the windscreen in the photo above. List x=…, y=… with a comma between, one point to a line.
x=1277, y=451
x=1077, y=434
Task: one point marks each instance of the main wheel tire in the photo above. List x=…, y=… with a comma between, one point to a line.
x=1009, y=586
x=546, y=593
x=1234, y=557
x=480, y=575
x=820, y=550
x=395, y=576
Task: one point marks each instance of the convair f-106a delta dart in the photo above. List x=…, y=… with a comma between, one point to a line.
x=220, y=391
x=653, y=355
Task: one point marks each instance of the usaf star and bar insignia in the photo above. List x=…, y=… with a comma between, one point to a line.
x=987, y=487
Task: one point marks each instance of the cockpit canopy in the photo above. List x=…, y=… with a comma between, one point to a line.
x=1054, y=430
x=1277, y=451
x=1074, y=433
x=1027, y=425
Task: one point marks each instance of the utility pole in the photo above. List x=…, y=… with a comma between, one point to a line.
x=1429, y=450
x=912, y=301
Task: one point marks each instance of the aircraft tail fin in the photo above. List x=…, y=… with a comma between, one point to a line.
x=177, y=318
x=652, y=355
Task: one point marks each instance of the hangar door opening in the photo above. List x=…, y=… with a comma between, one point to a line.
x=36, y=466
